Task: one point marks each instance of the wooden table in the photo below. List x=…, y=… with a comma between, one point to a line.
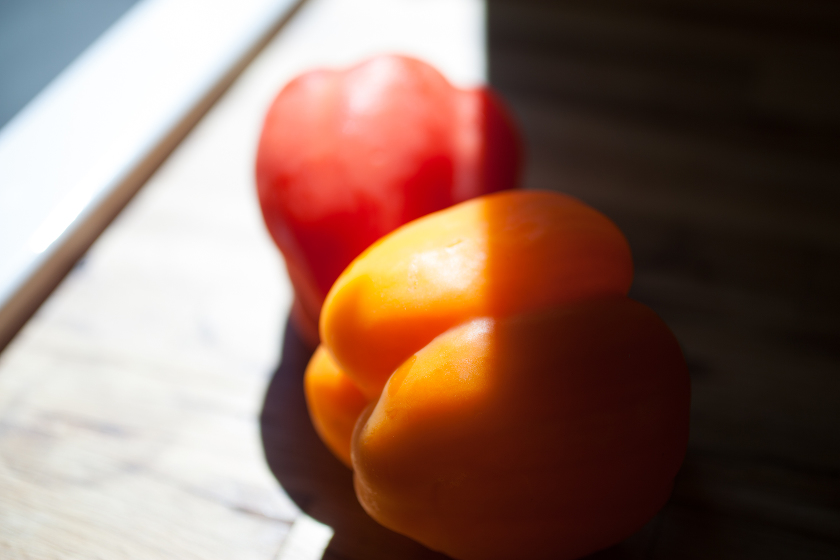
x=130, y=405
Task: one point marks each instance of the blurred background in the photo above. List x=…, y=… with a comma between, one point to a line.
x=709, y=131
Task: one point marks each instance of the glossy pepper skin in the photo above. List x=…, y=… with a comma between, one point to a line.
x=495, y=392
x=347, y=156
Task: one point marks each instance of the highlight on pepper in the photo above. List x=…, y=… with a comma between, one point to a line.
x=493, y=388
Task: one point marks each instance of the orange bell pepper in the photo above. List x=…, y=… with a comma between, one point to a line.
x=495, y=392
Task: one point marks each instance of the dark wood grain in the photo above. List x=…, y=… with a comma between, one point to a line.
x=710, y=133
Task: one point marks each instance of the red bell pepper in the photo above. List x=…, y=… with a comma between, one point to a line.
x=346, y=156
